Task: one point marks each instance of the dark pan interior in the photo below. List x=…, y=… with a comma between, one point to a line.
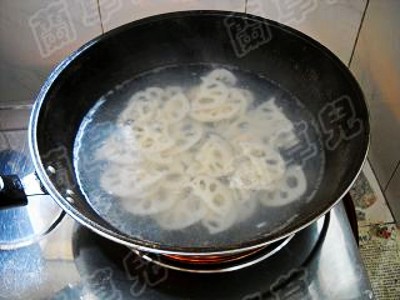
x=302, y=66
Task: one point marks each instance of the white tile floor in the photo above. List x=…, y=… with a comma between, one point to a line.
x=377, y=211
x=379, y=236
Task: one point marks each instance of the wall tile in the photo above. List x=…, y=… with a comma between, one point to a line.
x=118, y=12
x=393, y=195
x=15, y=119
x=334, y=23
x=35, y=35
x=376, y=65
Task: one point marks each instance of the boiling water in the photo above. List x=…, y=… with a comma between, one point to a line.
x=101, y=123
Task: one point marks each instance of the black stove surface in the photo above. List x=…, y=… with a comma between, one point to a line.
x=284, y=273
x=70, y=262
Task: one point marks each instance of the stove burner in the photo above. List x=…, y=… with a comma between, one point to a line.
x=131, y=275
x=211, y=259
x=217, y=263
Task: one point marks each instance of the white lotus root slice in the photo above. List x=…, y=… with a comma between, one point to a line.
x=234, y=105
x=290, y=189
x=266, y=159
x=128, y=181
x=171, y=91
x=188, y=210
x=283, y=138
x=211, y=94
x=255, y=128
x=278, y=130
x=161, y=157
x=219, y=127
x=192, y=93
x=186, y=158
x=260, y=168
x=152, y=136
x=222, y=75
x=155, y=93
x=226, y=111
x=247, y=177
x=219, y=222
x=215, y=157
x=195, y=168
x=174, y=176
x=243, y=196
x=175, y=108
x=246, y=210
x=215, y=194
x=273, y=113
x=117, y=150
x=149, y=204
x=241, y=99
x=201, y=155
x=143, y=106
x=185, y=135
x=248, y=95
x=243, y=129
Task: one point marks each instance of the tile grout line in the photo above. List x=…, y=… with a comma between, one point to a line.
x=376, y=223
x=14, y=129
x=391, y=176
x=100, y=17
x=381, y=188
x=15, y=107
x=358, y=34
x=376, y=177
x=377, y=181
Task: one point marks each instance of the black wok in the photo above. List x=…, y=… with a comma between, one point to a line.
x=314, y=75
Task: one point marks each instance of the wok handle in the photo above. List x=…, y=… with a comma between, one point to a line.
x=12, y=193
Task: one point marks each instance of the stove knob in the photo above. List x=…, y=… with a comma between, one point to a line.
x=12, y=192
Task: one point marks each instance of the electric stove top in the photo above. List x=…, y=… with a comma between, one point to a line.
x=47, y=255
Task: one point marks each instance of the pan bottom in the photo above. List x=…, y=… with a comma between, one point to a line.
x=215, y=263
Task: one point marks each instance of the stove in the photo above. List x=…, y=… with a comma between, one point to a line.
x=44, y=254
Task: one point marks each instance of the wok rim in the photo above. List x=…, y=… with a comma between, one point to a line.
x=141, y=245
